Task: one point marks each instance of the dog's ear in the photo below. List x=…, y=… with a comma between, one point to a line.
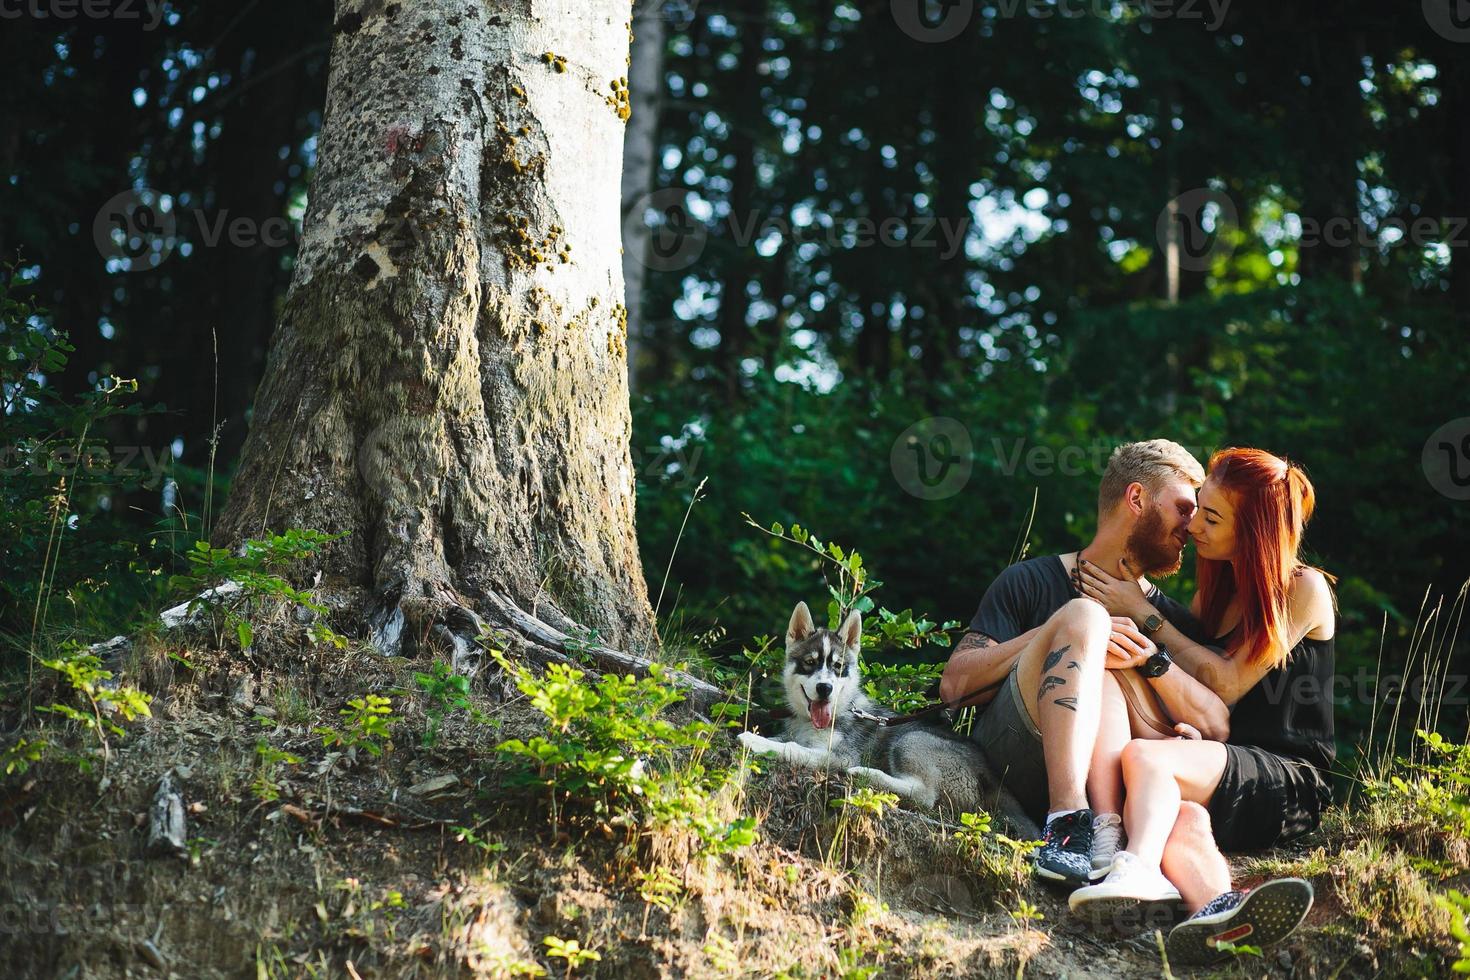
x=851, y=631
x=801, y=625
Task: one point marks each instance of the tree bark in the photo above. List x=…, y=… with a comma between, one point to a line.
x=640, y=160
x=448, y=382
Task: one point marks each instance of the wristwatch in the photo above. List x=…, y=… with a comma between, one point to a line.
x=1152, y=624
x=1156, y=665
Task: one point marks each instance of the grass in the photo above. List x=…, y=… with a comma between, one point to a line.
x=339, y=864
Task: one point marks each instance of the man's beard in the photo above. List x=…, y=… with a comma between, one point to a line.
x=1152, y=548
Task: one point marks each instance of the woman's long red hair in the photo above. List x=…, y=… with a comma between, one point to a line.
x=1273, y=502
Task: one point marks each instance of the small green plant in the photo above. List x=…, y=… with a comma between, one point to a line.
x=657, y=886
x=1434, y=787
x=265, y=786
x=609, y=751
x=1457, y=904
x=580, y=648
x=1000, y=856
x=724, y=955
x=365, y=725
x=467, y=836
x=1237, y=950
x=16, y=759
x=448, y=692
x=1025, y=912
x=866, y=804
x=869, y=801
x=257, y=571
x=571, y=951
x=83, y=673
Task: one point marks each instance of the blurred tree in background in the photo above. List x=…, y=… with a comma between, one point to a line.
x=1060, y=225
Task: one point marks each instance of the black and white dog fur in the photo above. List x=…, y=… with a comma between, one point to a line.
x=823, y=687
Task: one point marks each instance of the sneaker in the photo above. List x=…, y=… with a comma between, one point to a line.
x=1107, y=841
x=1132, y=896
x=1065, y=854
x=1261, y=917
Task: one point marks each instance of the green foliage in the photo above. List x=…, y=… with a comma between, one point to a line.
x=1457, y=904
x=71, y=561
x=447, y=692
x=268, y=759
x=868, y=801
x=608, y=750
x=365, y=723
x=1436, y=787
x=83, y=674
x=258, y=572
x=998, y=855
x=571, y=951
x=18, y=758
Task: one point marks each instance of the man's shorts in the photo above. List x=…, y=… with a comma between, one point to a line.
x=1012, y=745
x=1264, y=799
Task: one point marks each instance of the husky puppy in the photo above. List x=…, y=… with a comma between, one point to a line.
x=823, y=688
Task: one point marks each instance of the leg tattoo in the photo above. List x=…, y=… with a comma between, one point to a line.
x=1054, y=658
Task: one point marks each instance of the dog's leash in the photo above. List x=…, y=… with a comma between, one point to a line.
x=885, y=721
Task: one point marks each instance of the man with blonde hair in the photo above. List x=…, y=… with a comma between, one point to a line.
x=1053, y=654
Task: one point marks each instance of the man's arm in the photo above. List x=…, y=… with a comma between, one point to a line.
x=1185, y=697
x=979, y=661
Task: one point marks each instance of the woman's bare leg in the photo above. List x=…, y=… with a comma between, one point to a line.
x=1192, y=859
x=1159, y=776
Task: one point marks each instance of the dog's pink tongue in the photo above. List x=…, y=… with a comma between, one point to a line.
x=821, y=712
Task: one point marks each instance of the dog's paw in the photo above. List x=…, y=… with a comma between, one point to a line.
x=868, y=773
x=759, y=744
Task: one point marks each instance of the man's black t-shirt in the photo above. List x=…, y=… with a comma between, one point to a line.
x=1028, y=593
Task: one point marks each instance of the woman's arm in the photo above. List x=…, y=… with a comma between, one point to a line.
x=1309, y=607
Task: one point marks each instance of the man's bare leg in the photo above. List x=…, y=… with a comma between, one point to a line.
x=1060, y=674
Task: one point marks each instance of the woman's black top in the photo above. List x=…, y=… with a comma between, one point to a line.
x=1289, y=711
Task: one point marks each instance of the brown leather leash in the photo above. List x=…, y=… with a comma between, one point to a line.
x=883, y=721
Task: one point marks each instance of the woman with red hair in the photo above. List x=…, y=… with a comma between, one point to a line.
x=1269, y=621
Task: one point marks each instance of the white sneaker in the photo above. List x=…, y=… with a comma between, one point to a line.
x=1107, y=841
x=1133, y=896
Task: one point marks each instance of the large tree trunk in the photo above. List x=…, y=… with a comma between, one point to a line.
x=448, y=381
